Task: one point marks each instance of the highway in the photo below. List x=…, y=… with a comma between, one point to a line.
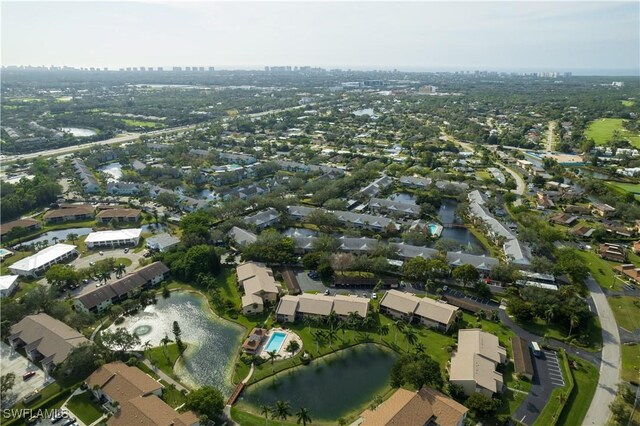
x=129, y=137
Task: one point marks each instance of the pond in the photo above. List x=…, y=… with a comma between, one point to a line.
x=329, y=387
x=212, y=342
x=78, y=132
x=207, y=194
x=61, y=235
x=461, y=235
x=300, y=232
x=403, y=197
x=114, y=170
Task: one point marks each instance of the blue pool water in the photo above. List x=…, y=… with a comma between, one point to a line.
x=276, y=341
x=433, y=228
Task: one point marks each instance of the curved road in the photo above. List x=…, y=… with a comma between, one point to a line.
x=520, y=185
x=599, y=412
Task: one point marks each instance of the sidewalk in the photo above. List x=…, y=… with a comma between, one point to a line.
x=164, y=376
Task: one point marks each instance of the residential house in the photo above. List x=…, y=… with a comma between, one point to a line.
x=375, y=187
x=27, y=225
x=259, y=287
x=8, y=285
x=36, y=264
x=162, y=242
x=263, y=218
x=613, y=252
x=69, y=213
x=119, y=237
x=241, y=237
x=579, y=210
x=394, y=208
x=122, y=188
x=415, y=182
x=293, y=308
x=426, y=407
x=630, y=270
x=408, y=307
x=45, y=339
x=119, y=215
x=582, y=231
x=134, y=398
x=563, y=219
x=473, y=364
x=602, y=210
x=102, y=297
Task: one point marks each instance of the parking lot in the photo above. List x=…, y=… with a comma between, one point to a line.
x=13, y=362
x=547, y=376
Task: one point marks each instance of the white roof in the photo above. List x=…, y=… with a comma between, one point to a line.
x=7, y=281
x=43, y=257
x=120, y=234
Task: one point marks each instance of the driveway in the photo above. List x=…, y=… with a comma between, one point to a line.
x=547, y=376
x=85, y=262
x=307, y=284
x=13, y=362
x=599, y=412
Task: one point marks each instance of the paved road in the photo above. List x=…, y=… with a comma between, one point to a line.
x=550, y=136
x=521, y=187
x=599, y=412
x=128, y=138
x=547, y=376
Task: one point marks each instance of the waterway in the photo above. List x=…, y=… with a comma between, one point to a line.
x=330, y=387
x=212, y=341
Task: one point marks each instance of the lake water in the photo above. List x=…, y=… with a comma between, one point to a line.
x=212, y=342
x=114, y=170
x=300, y=232
x=78, y=132
x=61, y=235
x=447, y=215
x=329, y=387
x=403, y=197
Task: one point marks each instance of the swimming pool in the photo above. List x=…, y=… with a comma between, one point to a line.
x=276, y=341
x=433, y=228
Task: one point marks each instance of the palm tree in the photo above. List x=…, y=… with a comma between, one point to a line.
x=146, y=346
x=55, y=240
x=399, y=326
x=165, y=341
x=549, y=314
x=368, y=322
x=419, y=348
x=331, y=335
x=332, y=318
x=265, y=410
x=281, y=410
x=481, y=315
x=353, y=319
x=120, y=270
x=383, y=329
x=562, y=398
x=293, y=346
x=318, y=335
x=303, y=416
x=410, y=337
x=72, y=237
x=342, y=326
x=272, y=357
x=308, y=321
x=573, y=321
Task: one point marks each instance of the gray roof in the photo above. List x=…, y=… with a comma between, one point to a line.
x=162, y=240
x=263, y=217
x=395, y=206
x=240, y=236
x=376, y=186
x=415, y=181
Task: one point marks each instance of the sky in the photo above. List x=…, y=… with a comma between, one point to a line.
x=582, y=37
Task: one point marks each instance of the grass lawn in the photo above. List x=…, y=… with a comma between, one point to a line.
x=626, y=309
x=248, y=419
x=628, y=103
x=158, y=356
x=4, y=266
x=601, y=270
x=141, y=123
x=553, y=331
x=625, y=187
x=171, y=395
x=493, y=251
x=630, y=363
x=585, y=378
x=483, y=175
x=84, y=408
x=601, y=131
x=124, y=260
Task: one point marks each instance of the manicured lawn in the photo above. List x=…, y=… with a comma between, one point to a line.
x=626, y=309
x=84, y=408
x=171, y=395
x=248, y=419
x=628, y=103
x=626, y=187
x=158, y=356
x=493, y=251
x=630, y=363
x=4, y=266
x=483, y=174
x=141, y=123
x=601, y=270
x=553, y=331
x=601, y=131
x=585, y=378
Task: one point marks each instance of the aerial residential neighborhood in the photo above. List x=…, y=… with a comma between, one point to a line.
x=283, y=244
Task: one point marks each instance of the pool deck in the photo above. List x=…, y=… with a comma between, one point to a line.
x=282, y=352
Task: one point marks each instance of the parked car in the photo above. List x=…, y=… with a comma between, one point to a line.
x=28, y=375
x=126, y=250
x=327, y=292
x=101, y=253
x=374, y=295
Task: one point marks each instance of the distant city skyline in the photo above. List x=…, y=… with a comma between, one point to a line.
x=585, y=38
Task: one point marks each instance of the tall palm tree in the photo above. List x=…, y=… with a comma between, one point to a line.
x=165, y=341
x=55, y=240
x=120, y=270
x=353, y=319
x=332, y=318
x=410, y=337
x=303, y=416
x=342, y=326
x=318, y=335
x=71, y=236
x=368, y=322
x=383, y=329
x=146, y=346
x=331, y=335
x=419, y=348
x=265, y=410
x=549, y=314
x=281, y=410
x=309, y=321
x=272, y=357
x=573, y=321
x=399, y=325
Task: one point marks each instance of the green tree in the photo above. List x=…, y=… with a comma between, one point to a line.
x=62, y=275
x=177, y=335
x=303, y=416
x=206, y=400
x=293, y=347
x=272, y=355
x=265, y=410
x=480, y=404
x=281, y=410
x=466, y=274
x=7, y=381
x=120, y=339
